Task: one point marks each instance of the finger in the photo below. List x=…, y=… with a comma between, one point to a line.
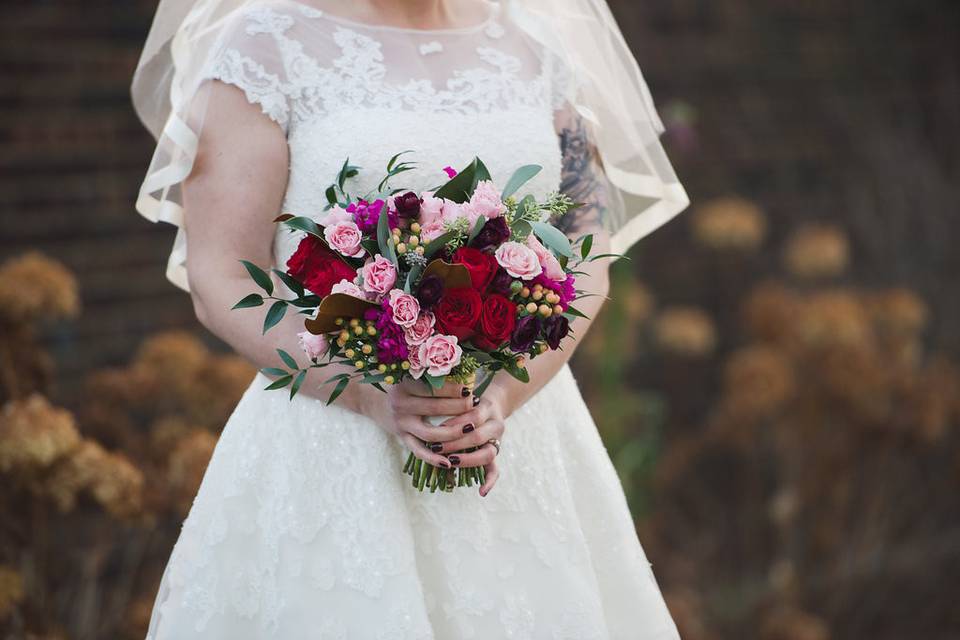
x=479, y=458
x=420, y=406
x=491, y=473
x=422, y=389
x=474, y=437
x=426, y=431
x=477, y=415
x=421, y=451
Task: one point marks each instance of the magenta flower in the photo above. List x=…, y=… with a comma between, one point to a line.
x=566, y=289
x=451, y=172
x=367, y=214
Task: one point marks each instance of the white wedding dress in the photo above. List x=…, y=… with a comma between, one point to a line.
x=305, y=526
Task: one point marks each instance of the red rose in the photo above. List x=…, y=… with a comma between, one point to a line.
x=482, y=266
x=317, y=267
x=497, y=319
x=457, y=312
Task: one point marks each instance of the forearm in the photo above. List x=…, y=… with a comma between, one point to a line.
x=512, y=393
x=242, y=329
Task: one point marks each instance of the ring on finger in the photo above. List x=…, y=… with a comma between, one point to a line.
x=496, y=443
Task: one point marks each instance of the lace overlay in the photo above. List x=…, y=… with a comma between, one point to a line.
x=304, y=525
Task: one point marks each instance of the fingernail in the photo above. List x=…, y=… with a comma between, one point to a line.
x=468, y=428
x=476, y=400
x=436, y=447
x=444, y=464
x=454, y=459
x=465, y=392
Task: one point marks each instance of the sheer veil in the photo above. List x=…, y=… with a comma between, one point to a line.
x=608, y=90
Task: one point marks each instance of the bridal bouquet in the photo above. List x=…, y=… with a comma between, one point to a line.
x=456, y=283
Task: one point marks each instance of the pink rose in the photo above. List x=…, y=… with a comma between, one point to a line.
x=486, y=201
x=453, y=211
x=432, y=230
x=416, y=367
x=406, y=308
x=349, y=288
x=551, y=266
x=314, y=345
x=419, y=331
x=431, y=209
x=379, y=276
x=334, y=215
x=518, y=260
x=439, y=354
x=344, y=238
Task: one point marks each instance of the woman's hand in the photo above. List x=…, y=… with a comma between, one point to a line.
x=483, y=422
x=403, y=409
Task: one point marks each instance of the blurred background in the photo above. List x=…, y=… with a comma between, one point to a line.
x=777, y=377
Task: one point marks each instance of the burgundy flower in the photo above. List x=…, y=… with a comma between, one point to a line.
x=525, y=333
x=501, y=282
x=408, y=205
x=429, y=292
x=493, y=233
x=557, y=327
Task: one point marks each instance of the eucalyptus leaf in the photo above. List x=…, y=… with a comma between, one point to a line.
x=519, y=178
x=288, y=359
x=259, y=276
x=274, y=315
x=478, y=225
x=298, y=381
x=586, y=246
x=338, y=390
x=252, y=300
x=553, y=238
x=303, y=223
x=279, y=383
x=292, y=283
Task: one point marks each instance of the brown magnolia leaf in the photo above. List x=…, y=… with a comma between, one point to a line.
x=336, y=305
x=454, y=276
x=283, y=217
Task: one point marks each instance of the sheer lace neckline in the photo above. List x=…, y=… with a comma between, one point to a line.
x=486, y=23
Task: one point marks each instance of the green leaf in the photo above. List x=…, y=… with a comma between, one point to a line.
x=459, y=187
x=339, y=376
x=553, y=238
x=331, y=194
x=608, y=255
x=292, y=283
x=274, y=315
x=288, y=359
x=273, y=371
x=394, y=158
x=279, y=383
x=412, y=276
x=435, y=381
x=252, y=300
x=482, y=172
x=573, y=311
x=519, y=373
x=483, y=385
x=478, y=225
x=383, y=238
x=338, y=390
x=438, y=243
x=519, y=178
x=259, y=276
x=303, y=223
x=586, y=246
x=297, y=383
x=305, y=301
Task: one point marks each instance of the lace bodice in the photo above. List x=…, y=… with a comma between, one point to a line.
x=342, y=89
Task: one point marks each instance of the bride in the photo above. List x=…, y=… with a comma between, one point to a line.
x=304, y=525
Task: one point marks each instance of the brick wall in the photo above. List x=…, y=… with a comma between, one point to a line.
x=818, y=110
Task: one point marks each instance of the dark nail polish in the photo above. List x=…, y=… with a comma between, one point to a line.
x=468, y=428
x=465, y=392
x=436, y=447
x=476, y=400
x=454, y=459
x=444, y=464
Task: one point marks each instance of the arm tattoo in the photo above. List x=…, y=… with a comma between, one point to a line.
x=581, y=178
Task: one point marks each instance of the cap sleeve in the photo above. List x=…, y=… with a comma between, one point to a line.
x=247, y=55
